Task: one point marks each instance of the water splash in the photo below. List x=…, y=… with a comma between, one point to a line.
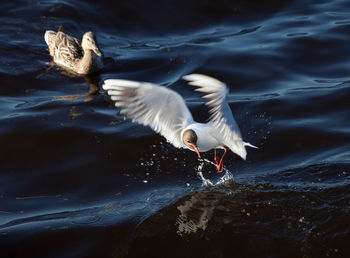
x=227, y=178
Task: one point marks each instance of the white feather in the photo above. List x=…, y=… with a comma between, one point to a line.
x=148, y=104
x=165, y=112
x=223, y=125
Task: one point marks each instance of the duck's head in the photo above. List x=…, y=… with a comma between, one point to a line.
x=89, y=42
x=189, y=138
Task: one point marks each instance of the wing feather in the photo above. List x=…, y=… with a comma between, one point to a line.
x=224, y=126
x=151, y=105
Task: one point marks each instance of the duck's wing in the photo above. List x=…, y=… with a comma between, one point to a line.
x=67, y=49
x=224, y=126
x=50, y=39
x=148, y=104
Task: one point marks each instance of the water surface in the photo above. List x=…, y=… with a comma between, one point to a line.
x=77, y=180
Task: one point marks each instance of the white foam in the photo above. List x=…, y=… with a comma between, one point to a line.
x=205, y=182
x=225, y=179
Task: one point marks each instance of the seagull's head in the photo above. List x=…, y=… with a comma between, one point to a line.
x=189, y=138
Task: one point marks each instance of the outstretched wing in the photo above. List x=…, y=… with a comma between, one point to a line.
x=224, y=126
x=160, y=108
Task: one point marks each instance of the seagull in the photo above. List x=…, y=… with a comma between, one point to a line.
x=165, y=111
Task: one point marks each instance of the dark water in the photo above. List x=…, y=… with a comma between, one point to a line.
x=76, y=180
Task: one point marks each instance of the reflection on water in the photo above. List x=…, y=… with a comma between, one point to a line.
x=194, y=214
x=246, y=221
x=92, y=80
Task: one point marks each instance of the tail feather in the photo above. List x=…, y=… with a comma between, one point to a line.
x=242, y=152
x=247, y=144
x=49, y=34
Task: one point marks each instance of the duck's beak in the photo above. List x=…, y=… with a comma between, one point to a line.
x=97, y=51
x=194, y=147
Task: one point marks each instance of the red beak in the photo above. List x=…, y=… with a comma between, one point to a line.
x=194, y=147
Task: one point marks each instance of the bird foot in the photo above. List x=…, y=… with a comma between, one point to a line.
x=216, y=161
x=220, y=165
x=220, y=168
x=215, y=158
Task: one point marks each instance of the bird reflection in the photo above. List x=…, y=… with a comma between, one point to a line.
x=92, y=80
x=195, y=214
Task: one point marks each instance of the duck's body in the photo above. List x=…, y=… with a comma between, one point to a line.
x=165, y=112
x=68, y=52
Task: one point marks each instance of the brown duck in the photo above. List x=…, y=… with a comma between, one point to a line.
x=69, y=53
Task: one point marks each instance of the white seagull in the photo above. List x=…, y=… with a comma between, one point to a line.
x=165, y=112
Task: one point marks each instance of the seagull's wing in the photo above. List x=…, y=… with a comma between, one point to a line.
x=224, y=126
x=160, y=108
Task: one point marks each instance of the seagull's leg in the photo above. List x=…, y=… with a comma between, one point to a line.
x=215, y=157
x=221, y=164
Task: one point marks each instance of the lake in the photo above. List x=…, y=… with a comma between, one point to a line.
x=79, y=180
